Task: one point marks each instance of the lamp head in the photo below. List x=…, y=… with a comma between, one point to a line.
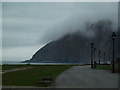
x=92, y=45
x=113, y=35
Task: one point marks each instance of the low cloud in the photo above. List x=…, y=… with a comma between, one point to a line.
x=30, y=24
x=81, y=16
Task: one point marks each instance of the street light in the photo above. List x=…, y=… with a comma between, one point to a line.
x=104, y=58
x=99, y=56
x=113, y=63
x=92, y=46
x=94, y=57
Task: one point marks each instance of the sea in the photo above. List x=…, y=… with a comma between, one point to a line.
x=19, y=63
x=46, y=63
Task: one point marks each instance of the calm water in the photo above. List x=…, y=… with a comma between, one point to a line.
x=18, y=63
x=42, y=63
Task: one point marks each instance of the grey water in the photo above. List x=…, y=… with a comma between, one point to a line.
x=19, y=63
x=41, y=63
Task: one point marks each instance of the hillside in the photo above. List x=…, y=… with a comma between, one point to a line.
x=75, y=47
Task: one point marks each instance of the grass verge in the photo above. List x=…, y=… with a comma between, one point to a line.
x=30, y=76
x=104, y=67
x=7, y=67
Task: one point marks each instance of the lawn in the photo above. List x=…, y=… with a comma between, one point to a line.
x=7, y=67
x=0, y=68
x=104, y=67
x=30, y=76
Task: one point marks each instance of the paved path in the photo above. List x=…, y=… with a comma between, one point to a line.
x=16, y=69
x=85, y=77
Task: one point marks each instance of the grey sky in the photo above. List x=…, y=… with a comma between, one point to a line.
x=29, y=26
x=0, y=32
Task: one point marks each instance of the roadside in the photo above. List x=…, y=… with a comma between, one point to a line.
x=37, y=76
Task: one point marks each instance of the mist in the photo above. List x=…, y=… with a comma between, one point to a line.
x=77, y=21
x=33, y=25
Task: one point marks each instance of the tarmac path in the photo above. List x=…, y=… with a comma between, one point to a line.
x=16, y=69
x=85, y=77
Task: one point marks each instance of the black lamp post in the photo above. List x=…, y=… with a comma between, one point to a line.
x=94, y=57
x=104, y=58
x=99, y=56
x=113, y=58
x=92, y=46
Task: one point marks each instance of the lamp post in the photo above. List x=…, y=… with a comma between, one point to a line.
x=94, y=57
x=104, y=58
x=92, y=46
x=113, y=58
x=99, y=56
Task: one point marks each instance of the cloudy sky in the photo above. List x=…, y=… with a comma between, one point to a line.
x=29, y=26
x=0, y=32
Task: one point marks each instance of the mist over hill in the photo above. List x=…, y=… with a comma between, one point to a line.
x=75, y=47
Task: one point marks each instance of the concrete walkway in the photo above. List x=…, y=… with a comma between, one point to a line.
x=85, y=77
x=16, y=69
